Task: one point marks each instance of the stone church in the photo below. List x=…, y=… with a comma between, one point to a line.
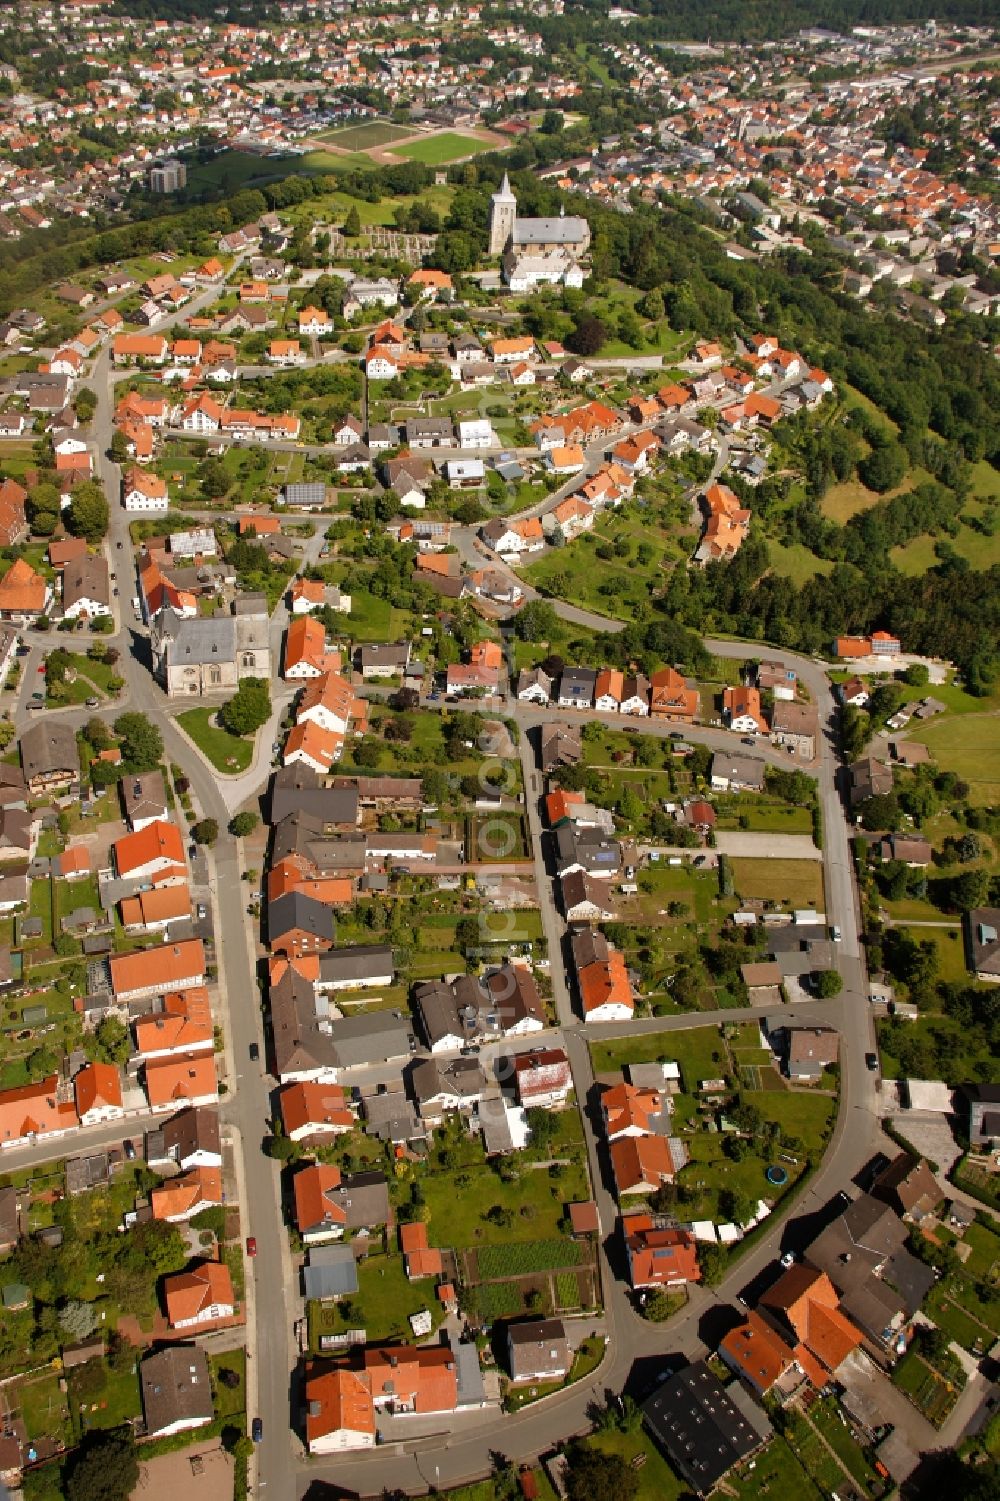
x=566, y=234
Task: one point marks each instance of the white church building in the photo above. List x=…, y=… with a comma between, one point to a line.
x=536, y=252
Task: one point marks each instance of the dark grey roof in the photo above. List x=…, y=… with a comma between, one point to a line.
x=176, y=1388
x=198, y=641
x=294, y=911
x=565, y=229
x=192, y=1130
x=362, y=962
x=48, y=747
x=984, y=940
x=364, y=1197
x=701, y=1430
x=591, y=848
x=372, y=1037
x=748, y=771
x=332, y=1272
x=462, y=1009
x=144, y=795
x=298, y=789
x=86, y=578
x=462, y=1077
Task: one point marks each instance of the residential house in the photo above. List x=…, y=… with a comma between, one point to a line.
x=868, y=778
x=909, y=1188
x=314, y=1111
x=180, y=1199
x=173, y=1082
x=542, y=1078
x=881, y=1285
x=659, y=1257
x=602, y=979
x=803, y=1307
x=810, y=1050
x=576, y=688
x=144, y=799
x=176, y=1388
x=98, y=1091
x=742, y=711
x=30, y=1113
x=327, y=1202
x=534, y=686
x=538, y=1350
x=731, y=771
x=203, y=1295
x=50, y=758
x=586, y=898
x=671, y=698
x=154, y=855
x=795, y=726
x=157, y=971
x=24, y=594
x=982, y=942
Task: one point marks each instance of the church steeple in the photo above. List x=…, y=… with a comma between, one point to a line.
x=503, y=212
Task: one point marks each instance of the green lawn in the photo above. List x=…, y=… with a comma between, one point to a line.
x=950, y=948
x=806, y=1118
x=656, y=1480
x=985, y=1245
x=459, y=1201
x=797, y=883
x=118, y=1401
x=382, y=1304
x=227, y=753
x=795, y=561
x=778, y=1475
x=448, y=146
x=700, y=1052
x=968, y=746
x=230, y=1402
x=841, y=502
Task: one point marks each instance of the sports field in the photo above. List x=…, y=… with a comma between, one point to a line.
x=366, y=135
x=435, y=150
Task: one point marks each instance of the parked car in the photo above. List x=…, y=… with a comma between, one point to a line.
x=257, y=1430
x=93, y=703
x=128, y=1147
x=871, y=1062
x=748, y=740
x=202, y=910
x=251, y=1245
x=254, y=1052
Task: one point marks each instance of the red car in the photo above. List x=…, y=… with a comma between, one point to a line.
x=251, y=1245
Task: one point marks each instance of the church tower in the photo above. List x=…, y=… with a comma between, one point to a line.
x=503, y=212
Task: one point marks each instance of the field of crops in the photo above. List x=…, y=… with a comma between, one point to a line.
x=497, y=1300
x=520, y=1257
